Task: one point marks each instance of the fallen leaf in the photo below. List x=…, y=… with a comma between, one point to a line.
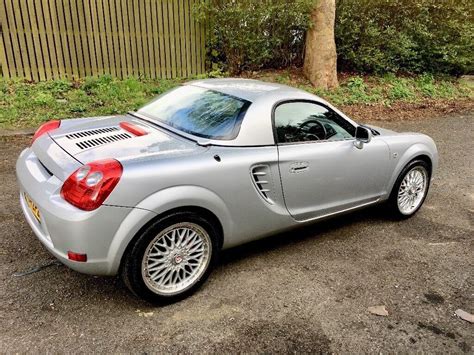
x=144, y=314
x=464, y=315
x=378, y=310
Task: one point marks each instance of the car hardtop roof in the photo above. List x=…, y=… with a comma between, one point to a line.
x=251, y=90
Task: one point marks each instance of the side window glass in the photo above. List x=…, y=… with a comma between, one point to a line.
x=306, y=122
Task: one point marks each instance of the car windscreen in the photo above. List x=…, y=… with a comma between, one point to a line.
x=199, y=111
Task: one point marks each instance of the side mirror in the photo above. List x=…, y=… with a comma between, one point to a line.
x=362, y=135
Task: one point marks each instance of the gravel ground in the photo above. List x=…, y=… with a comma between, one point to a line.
x=303, y=291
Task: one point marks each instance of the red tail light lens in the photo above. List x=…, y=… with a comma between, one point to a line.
x=45, y=128
x=89, y=186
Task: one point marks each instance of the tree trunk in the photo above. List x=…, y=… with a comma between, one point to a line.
x=320, y=54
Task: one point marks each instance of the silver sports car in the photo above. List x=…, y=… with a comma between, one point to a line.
x=156, y=194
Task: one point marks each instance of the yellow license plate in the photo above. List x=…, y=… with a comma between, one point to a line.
x=33, y=208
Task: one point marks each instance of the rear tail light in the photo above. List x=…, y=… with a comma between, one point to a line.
x=45, y=128
x=89, y=186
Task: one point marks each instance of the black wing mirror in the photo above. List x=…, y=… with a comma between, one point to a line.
x=362, y=135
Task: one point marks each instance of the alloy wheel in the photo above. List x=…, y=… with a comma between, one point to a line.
x=412, y=190
x=176, y=258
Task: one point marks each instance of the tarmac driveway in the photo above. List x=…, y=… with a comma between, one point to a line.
x=303, y=291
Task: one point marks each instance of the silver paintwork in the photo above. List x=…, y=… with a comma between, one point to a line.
x=337, y=176
x=164, y=170
x=412, y=190
x=176, y=258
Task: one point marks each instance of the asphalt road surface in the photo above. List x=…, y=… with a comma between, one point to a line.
x=303, y=291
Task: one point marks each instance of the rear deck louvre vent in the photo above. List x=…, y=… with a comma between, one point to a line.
x=94, y=142
x=92, y=132
x=98, y=136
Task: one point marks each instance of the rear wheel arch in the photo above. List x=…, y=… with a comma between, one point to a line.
x=201, y=211
x=131, y=267
x=161, y=203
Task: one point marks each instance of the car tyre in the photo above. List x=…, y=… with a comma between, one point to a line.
x=171, y=258
x=410, y=189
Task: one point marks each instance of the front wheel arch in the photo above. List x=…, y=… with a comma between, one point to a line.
x=391, y=203
x=417, y=151
x=426, y=159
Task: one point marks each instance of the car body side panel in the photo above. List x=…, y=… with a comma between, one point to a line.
x=189, y=195
x=223, y=187
x=325, y=177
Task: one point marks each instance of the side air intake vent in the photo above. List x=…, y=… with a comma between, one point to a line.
x=262, y=180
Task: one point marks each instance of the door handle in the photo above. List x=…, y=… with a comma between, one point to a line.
x=299, y=167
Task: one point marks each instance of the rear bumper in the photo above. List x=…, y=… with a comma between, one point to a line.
x=63, y=227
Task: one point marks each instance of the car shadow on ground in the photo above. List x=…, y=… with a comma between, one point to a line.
x=314, y=231
x=112, y=292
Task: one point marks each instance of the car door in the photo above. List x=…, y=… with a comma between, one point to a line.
x=321, y=170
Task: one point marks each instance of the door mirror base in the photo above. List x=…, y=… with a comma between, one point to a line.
x=358, y=144
x=362, y=135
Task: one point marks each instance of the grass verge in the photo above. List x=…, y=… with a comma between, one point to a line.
x=24, y=104
x=375, y=90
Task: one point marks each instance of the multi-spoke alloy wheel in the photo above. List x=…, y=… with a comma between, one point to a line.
x=172, y=257
x=176, y=258
x=412, y=190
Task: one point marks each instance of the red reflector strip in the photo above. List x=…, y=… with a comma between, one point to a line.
x=134, y=129
x=77, y=257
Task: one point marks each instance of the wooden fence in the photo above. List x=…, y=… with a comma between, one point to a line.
x=51, y=39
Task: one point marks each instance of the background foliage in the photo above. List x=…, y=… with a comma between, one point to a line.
x=255, y=34
x=26, y=104
x=405, y=35
x=372, y=36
